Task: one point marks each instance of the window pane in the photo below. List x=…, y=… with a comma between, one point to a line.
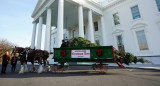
x=74, y=33
x=158, y=4
x=84, y=30
x=97, y=41
x=142, y=40
x=54, y=40
x=120, y=43
x=135, y=12
x=96, y=26
x=119, y=40
x=116, y=19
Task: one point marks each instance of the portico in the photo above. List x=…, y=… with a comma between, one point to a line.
x=63, y=14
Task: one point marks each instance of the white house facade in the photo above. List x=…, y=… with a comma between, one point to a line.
x=129, y=25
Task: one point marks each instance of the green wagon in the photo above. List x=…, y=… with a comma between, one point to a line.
x=97, y=55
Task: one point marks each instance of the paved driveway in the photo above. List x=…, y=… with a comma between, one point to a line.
x=83, y=76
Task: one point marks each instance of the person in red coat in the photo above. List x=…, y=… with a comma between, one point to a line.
x=14, y=62
x=5, y=61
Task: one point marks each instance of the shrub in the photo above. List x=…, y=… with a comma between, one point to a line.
x=81, y=42
x=128, y=58
x=135, y=59
x=141, y=60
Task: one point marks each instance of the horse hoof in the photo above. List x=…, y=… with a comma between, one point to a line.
x=21, y=72
x=39, y=72
x=26, y=71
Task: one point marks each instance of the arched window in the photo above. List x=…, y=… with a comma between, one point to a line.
x=142, y=41
x=74, y=33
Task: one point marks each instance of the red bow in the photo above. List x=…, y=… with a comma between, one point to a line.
x=99, y=52
x=63, y=53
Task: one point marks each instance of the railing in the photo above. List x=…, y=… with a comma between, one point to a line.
x=114, y=56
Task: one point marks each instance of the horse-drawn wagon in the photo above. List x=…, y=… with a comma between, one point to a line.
x=99, y=56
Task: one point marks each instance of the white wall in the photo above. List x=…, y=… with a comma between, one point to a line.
x=149, y=21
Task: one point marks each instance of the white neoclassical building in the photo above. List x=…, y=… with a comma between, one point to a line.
x=130, y=25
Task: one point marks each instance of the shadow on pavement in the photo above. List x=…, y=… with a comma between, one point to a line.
x=83, y=71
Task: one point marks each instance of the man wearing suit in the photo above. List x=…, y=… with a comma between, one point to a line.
x=5, y=61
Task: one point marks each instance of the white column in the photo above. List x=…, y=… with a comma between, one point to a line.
x=48, y=30
x=90, y=27
x=60, y=22
x=103, y=31
x=33, y=35
x=81, y=24
x=39, y=36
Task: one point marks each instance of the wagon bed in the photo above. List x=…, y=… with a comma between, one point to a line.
x=98, y=55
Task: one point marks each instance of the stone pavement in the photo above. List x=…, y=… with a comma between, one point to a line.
x=139, y=65
x=83, y=76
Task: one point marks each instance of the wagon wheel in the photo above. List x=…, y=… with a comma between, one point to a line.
x=58, y=68
x=100, y=68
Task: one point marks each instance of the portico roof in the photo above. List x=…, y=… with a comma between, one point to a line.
x=70, y=14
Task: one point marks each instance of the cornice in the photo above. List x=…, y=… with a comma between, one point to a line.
x=96, y=7
x=112, y=3
x=39, y=6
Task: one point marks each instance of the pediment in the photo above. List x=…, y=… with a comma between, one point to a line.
x=138, y=25
x=117, y=31
x=38, y=6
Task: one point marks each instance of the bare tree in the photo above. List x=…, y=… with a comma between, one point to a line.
x=5, y=46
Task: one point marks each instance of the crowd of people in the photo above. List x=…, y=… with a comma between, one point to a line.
x=6, y=58
x=5, y=61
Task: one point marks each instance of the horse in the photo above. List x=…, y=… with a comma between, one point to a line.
x=22, y=55
x=42, y=55
x=27, y=54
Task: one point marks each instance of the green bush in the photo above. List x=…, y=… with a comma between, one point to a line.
x=141, y=60
x=128, y=58
x=135, y=59
x=81, y=42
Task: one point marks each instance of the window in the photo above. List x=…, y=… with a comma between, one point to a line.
x=96, y=26
x=142, y=40
x=158, y=4
x=64, y=36
x=74, y=33
x=97, y=42
x=84, y=30
x=116, y=19
x=120, y=43
x=135, y=12
x=54, y=40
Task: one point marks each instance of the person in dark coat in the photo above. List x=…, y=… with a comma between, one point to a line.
x=5, y=61
x=64, y=44
x=14, y=62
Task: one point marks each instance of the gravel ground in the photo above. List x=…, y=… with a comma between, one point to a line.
x=83, y=76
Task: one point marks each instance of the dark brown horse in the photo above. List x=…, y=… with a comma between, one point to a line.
x=42, y=55
x=27, y=54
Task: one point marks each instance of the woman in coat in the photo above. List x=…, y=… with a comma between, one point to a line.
x=14, y=62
